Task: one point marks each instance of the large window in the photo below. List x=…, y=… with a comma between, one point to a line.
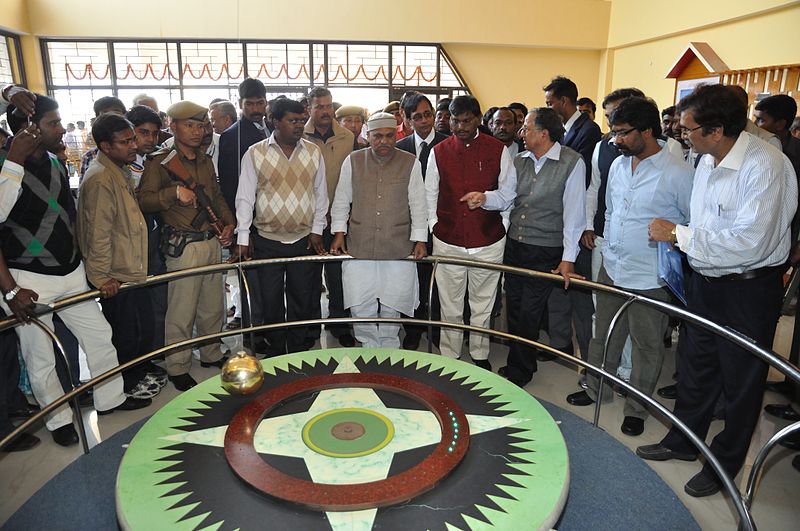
x=365, y=74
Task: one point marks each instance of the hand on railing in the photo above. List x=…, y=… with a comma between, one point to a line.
x=567, y=270
x=23, y=304
x=240, y=253
x=337, y=246
x=315, y=244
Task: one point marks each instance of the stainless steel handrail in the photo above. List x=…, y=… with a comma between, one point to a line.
x=741, y=506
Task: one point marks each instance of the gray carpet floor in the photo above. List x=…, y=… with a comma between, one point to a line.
x=610, y=488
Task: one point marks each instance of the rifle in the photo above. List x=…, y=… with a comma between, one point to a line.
x=206, y=213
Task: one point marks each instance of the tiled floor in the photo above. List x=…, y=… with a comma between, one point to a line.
x=774, y=507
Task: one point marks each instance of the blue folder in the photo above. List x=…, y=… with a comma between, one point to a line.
x=670, y=269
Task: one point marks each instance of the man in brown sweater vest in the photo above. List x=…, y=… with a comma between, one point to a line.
x=381, y=192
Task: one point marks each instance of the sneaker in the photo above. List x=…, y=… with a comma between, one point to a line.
x=160, y=381
x=144, y=389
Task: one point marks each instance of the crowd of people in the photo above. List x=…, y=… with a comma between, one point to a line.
x=539, y=188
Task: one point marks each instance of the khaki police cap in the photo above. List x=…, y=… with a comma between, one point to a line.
x=350, y=110
x=392, y=107
x=183, y=110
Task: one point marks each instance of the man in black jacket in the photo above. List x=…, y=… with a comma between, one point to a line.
x=566, y=307
x=419, y=110
x=233, y=143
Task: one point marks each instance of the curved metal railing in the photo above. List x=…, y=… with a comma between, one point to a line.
x=741, y=502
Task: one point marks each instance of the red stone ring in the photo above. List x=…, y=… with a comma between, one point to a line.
x=250, y=467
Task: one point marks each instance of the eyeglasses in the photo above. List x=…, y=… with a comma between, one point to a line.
x=622, y=134
x=418, y=117
x=686, y=130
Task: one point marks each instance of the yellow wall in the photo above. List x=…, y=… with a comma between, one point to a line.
x=760, y=40
x=506, y=22
x=14, y=16
x=499, y=75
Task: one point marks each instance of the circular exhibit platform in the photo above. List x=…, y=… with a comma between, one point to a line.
x=349, y=439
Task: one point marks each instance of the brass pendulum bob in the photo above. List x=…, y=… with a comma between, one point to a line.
x=242, y=374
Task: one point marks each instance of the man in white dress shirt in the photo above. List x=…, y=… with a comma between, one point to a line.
x=283, y=180
x=546, y=225
x=381, y=193
x=737, y=242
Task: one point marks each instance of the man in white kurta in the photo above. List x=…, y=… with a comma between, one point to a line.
x=382, y=196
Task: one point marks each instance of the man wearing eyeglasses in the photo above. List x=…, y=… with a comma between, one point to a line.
x=283, y=180
x=737, y=242
x=647, y=180
x=546, y=225
x=419, y=111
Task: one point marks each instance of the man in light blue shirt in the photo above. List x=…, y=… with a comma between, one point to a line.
x=647, y=180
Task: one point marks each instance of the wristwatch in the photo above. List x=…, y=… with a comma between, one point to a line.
x=674, y=234
x=9, y=296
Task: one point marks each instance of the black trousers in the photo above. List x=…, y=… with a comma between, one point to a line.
x=710, y=365
x=130, y=315
x=333, y=281
x=295, y=281
x=526, y=302
x=424, y=273
x=11, y=398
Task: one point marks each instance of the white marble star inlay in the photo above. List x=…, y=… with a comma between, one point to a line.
x=283, y=436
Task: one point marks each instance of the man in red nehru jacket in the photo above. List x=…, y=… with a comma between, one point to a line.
x=468, y=174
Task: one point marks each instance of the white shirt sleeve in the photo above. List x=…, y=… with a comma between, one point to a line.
x=245, y=199
x=593, y=191
x=574, y=206
x=432, y=189
x=343, y=198
x=321, y=198
x=503, y=197
x=10, y=187
x=417, y=205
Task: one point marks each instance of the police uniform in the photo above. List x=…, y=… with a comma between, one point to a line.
x=196, y=301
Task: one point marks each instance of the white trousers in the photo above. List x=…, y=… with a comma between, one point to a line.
x=373, y=335
x=453, y=282
x=86, y=322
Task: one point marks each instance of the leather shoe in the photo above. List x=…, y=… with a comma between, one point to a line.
x=130, y=404
x=24, y=412
x=670, y=392
x=347, y=340
x=65, y=435
x=182, y=382
x=218, y=364
x=702, y=484
x=411, y=341
x=784, y=387
x=632, y=426
x=782, y=411
x=581, y=398
x=791, y=442
x=25, y=441
x=483, y=364
x=541, y=355
x=658, y=452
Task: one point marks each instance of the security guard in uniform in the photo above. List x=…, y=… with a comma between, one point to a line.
x=180, y=183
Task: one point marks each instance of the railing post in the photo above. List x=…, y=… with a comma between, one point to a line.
x=607, y=340
x=75, y=402
x=430, y=304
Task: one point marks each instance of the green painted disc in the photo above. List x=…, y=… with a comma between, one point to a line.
x=348, y=432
